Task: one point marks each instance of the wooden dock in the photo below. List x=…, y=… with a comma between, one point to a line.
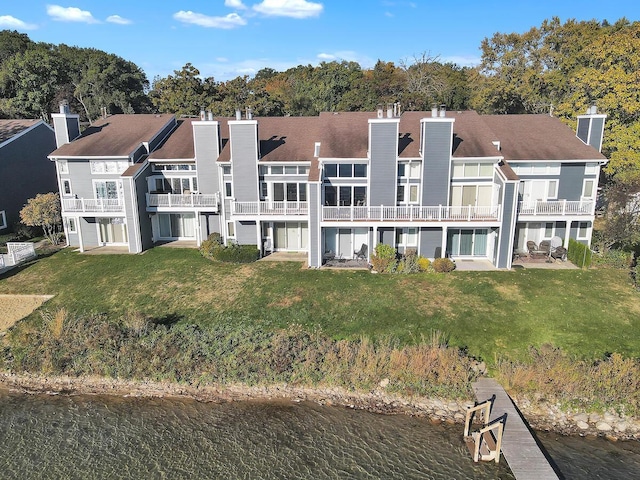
x=520, y=450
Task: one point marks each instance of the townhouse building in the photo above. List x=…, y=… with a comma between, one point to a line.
x=444, y=183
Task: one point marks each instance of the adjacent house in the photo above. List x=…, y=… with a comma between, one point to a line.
x=24, y=169
x=455, y=184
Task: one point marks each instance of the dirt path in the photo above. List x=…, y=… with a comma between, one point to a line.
x=15, y=307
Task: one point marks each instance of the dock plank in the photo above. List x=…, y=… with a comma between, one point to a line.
x=520, y=450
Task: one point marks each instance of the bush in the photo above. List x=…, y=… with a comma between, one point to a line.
x=443, y=265
x=236, y=253
x=408, y=263
x=384, y=258
x=212, y=243
x=613, y=258
x=579, y=254
x=423, y=263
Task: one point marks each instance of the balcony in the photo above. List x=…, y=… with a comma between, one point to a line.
x=269, y=208
x=174, y=201
x=93, y=205
x=557, y=207
x=412, y=213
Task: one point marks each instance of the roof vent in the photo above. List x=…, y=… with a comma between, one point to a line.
x=443, y=110
x=203, y=115
x=238, y=114
x=389, y=110
x=316, y=150
x=434, y=110
x=210, y=115
x=380, y=111
x=64, y=106
x=249, y=113
x=592, y=110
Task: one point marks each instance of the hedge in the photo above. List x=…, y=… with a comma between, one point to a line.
x=579, y=254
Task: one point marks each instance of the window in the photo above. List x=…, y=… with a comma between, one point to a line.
x=401, y=169
x=413, y=193
x=71, y=225
x=400, y=194
x=360, y=170
x=226, y=169
x=110, y=166
x=360, y=196
x=178, y=167
x=277, y=170
x=66, y=188
x=330, y=170
x=583, y=231
x=303, y=170
x=345, y=170
x=3, y=219
x=474, y=195
x=109, y=189
x=289, y=170
x=63, y=166
x=588, y=188
x=227, y=190
x=472, y=169
x=292, y=192
x=414, y=170
x=231, y=229
x=264, y=193
x=536, y=168
x=330, y=196
x=345, y=196
x=278, y=192
x=407, y=237
x=549, y=230
x=552, y=189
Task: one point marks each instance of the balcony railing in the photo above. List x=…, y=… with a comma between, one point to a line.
x=190, y=200
x=558, y=207
x=411, y=213
x=92, y=205
x=269, y=208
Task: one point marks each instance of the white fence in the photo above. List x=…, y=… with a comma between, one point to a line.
x=17, y=252
x=412, y=213
x=269, y=208
x=558, y=207
x=97, y=205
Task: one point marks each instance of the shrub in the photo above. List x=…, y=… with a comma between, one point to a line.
x=579, y=254
x=408, y=263
x=423, y=263
x=443, y=265
x=236, y=253
x=212, y=243
x=384, y=258
x=613, y=258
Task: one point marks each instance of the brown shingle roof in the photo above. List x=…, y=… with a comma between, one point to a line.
x=538, y=137
x=179, y=145
x=115, y=136
x=10, y=128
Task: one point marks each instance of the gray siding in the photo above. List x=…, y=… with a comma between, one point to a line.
x=595, y=139
x=383, y=168
x=139, y=153
x=246, y=233
x=146, y=233
x=206, y=142
x=26, y=171
x=209, y=223
x=244, y=161
x=430, y=242
x=583, y=129
x=131, y=214
x=81, y=178
x=436, y=151
x=315, y=254
x=89, y=231
x=387, y=236
x=570, y=184
x=67, y=128
x=507, y=227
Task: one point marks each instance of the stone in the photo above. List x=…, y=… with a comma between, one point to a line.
x=622, y=427
x=441, y=413
x=384, y=382
x=603, y=427
x=582, y=425
x=581, y=417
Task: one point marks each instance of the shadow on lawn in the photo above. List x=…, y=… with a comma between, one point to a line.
x=167, y=320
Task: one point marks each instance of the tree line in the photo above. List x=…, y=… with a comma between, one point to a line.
x=558, y=68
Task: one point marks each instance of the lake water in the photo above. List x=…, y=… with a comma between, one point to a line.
x=87, y=437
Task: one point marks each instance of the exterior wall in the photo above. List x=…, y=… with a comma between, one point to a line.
x=436, y=151
x=315, y=237
x=26, y=171
x=89, y=231
x=244, y=160
x=387, y=236
x=597, y=129
x=507, y=227
x=571, y=179
x=383, y=168
x=209, y=223
x=206, y=141
x=430, y=242
x=67, y=128
x=246, y=233
x=144, y=220
x=132, y=215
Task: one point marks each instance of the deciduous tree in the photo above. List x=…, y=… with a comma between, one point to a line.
x=44, y=211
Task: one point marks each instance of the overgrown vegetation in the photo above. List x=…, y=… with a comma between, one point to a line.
x=213, y=248
x=443, y=265
x=612, y=382
x=579, y=254
x=44, y=211
x=136, y=347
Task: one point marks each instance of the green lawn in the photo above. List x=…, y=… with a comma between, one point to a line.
x=586, y=313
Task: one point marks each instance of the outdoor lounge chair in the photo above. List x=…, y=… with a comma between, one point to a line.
x=537, y=252
x=362, y=253
x=557, y=250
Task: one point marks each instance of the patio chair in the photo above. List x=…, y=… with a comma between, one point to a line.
x=557, y=250
x=362, y=253
x=535, y=251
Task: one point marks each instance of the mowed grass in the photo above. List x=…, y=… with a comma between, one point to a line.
x=491, y=314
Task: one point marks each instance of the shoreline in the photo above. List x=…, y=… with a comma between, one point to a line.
x=540, y=415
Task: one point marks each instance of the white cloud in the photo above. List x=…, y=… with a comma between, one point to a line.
x=462, y=60
x=119, y=20
x=12, y=22
x=348, y=55
x=326, y=56
x=232, y=20
x=70, y=14
x=237, y=4
x=289, y=8
x=222, y=59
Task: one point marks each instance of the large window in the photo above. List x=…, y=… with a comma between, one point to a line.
x=109, y=166
x=407, y=237
x=539, y=168
x=538, y=190
x=110, y=189
x=472, y=169
x=345, y=195
x=409, y=170
x=474, y=195
x=345, y=170
x=291, y=192
x=467, y=242
x=178, y=185
x=173, y=167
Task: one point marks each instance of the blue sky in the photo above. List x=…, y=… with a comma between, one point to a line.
x=227, y=38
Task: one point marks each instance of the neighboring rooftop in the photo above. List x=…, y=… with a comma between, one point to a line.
x=178, y=145
x=115, y=136
x=10, y=128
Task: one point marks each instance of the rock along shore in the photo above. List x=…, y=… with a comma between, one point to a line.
x=540, y=415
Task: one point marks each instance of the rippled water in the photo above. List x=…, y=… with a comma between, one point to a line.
x=108, y=437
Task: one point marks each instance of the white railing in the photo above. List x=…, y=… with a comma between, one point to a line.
x=558, y=207
x=269, y=208
x=2, y=265
x=92, y=205
x=175, y=200
x=411, y=213
x=20, y=251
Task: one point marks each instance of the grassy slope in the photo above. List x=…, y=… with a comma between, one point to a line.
x=586, y=313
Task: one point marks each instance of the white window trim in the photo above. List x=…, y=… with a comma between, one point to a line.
x=593, y=189
x=119, y=187
x=62, y=192
x=72, y=220
x=119, y=171
x=3, y=219
x=588, y=231
x=404, y=237
x=225, y=189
